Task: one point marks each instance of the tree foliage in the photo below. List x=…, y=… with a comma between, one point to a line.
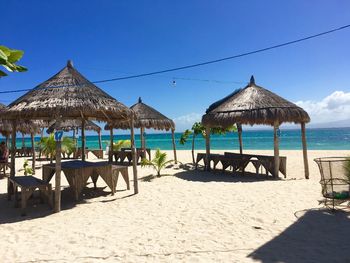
x=9, y=58
x=158, y=162
x=48, y=146
x=199, y=130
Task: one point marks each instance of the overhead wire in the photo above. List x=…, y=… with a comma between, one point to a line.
x=206, y=62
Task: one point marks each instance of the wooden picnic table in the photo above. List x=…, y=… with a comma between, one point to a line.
x=125, y=153
x=240, y=161
x=78, y=172
x=28, y=184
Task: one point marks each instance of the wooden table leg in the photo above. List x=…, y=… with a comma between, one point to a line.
x=125, y=175
x=23, y=202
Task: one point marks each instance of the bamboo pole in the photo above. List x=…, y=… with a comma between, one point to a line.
x=33, y=152
x=142, y=137
x=133, y=151
x=23, y=143
x=41, y=138
x=207, y=148
x=110, y=154
x=99, y=140
x=13, y=149
x=174, y=144
x=83, y=142
x=276, y=149
x=57, y=207
x=239, y=128
x=306, y=163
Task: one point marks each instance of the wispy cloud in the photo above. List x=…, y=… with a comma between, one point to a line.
x=186, y=121
x=332, y=108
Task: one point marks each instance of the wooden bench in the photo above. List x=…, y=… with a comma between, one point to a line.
x=240, y=161
x=28, y=184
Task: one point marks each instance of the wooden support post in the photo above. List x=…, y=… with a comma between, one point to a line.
x=23, y=143
x=276, y=149
x=7, y=141
x=133, y=151
x=207, y=148
x=57, y=207
x=83, y=142
x=110, y=154
x=41, y=138
x=13, y=149
x=239, y=129
x=174, y=144
x=33, y=152
x=99, y=140
x=74, y=135
x=306, y=163
x=142, y=138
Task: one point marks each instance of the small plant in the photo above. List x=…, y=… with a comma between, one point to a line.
x=117, y=146
x=27, y=170
x=158, y=162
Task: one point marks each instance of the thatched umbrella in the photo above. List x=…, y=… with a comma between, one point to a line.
x=74, y=125
x=256, y=105
x=68, y=95
x=149, y=118
x=24, y=127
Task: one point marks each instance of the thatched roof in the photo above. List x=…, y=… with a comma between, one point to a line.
x=69, y=125
x=25, y=127
x=253, y=105
x=146, y=117
x=70, y=95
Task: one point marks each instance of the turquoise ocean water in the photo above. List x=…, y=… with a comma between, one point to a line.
x=317, y=139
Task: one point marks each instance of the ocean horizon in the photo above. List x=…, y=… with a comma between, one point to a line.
x=290, y=139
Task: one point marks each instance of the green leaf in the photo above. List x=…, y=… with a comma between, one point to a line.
x=3, y=57
x=6, y=50
x=15, y=56
x=2, y=74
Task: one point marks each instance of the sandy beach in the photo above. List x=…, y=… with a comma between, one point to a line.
x=185, y=216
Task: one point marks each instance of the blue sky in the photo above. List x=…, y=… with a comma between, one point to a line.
x=107, y=39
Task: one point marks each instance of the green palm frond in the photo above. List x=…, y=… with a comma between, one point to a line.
x=158, y=162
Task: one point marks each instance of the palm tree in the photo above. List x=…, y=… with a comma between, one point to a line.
x=199, y=129
x=117, y=146
x=158, y=162
x=48, y=146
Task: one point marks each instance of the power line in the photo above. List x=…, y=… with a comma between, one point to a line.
x=208, y=62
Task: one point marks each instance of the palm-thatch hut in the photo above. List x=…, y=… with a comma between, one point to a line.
x=147, y=118
x=75, y=125
x=68, y=95
x=256, y=105
x=24, y=127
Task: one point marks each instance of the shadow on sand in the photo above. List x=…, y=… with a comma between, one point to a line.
x=219, y=176
x=35, y=209
x=317, y=236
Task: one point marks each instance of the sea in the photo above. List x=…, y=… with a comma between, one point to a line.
x=290, y=139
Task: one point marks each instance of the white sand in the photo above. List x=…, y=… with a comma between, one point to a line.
x=193, y=216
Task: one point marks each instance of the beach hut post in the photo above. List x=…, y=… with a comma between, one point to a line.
x=57, y=207
x=23, y=143
x=276, y=149
x=133, y=152
x=142, y=138
x=99, y=140
x=7, y=140
x=110, y=153
x=303, y=138
x=207, y=148
x=83, y=142
x=33, y=152
x=239, y=129
x=174, y=144
x=13, y=148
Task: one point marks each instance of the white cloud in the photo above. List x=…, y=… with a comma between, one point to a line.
x=186, y=121
x=334, y=107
